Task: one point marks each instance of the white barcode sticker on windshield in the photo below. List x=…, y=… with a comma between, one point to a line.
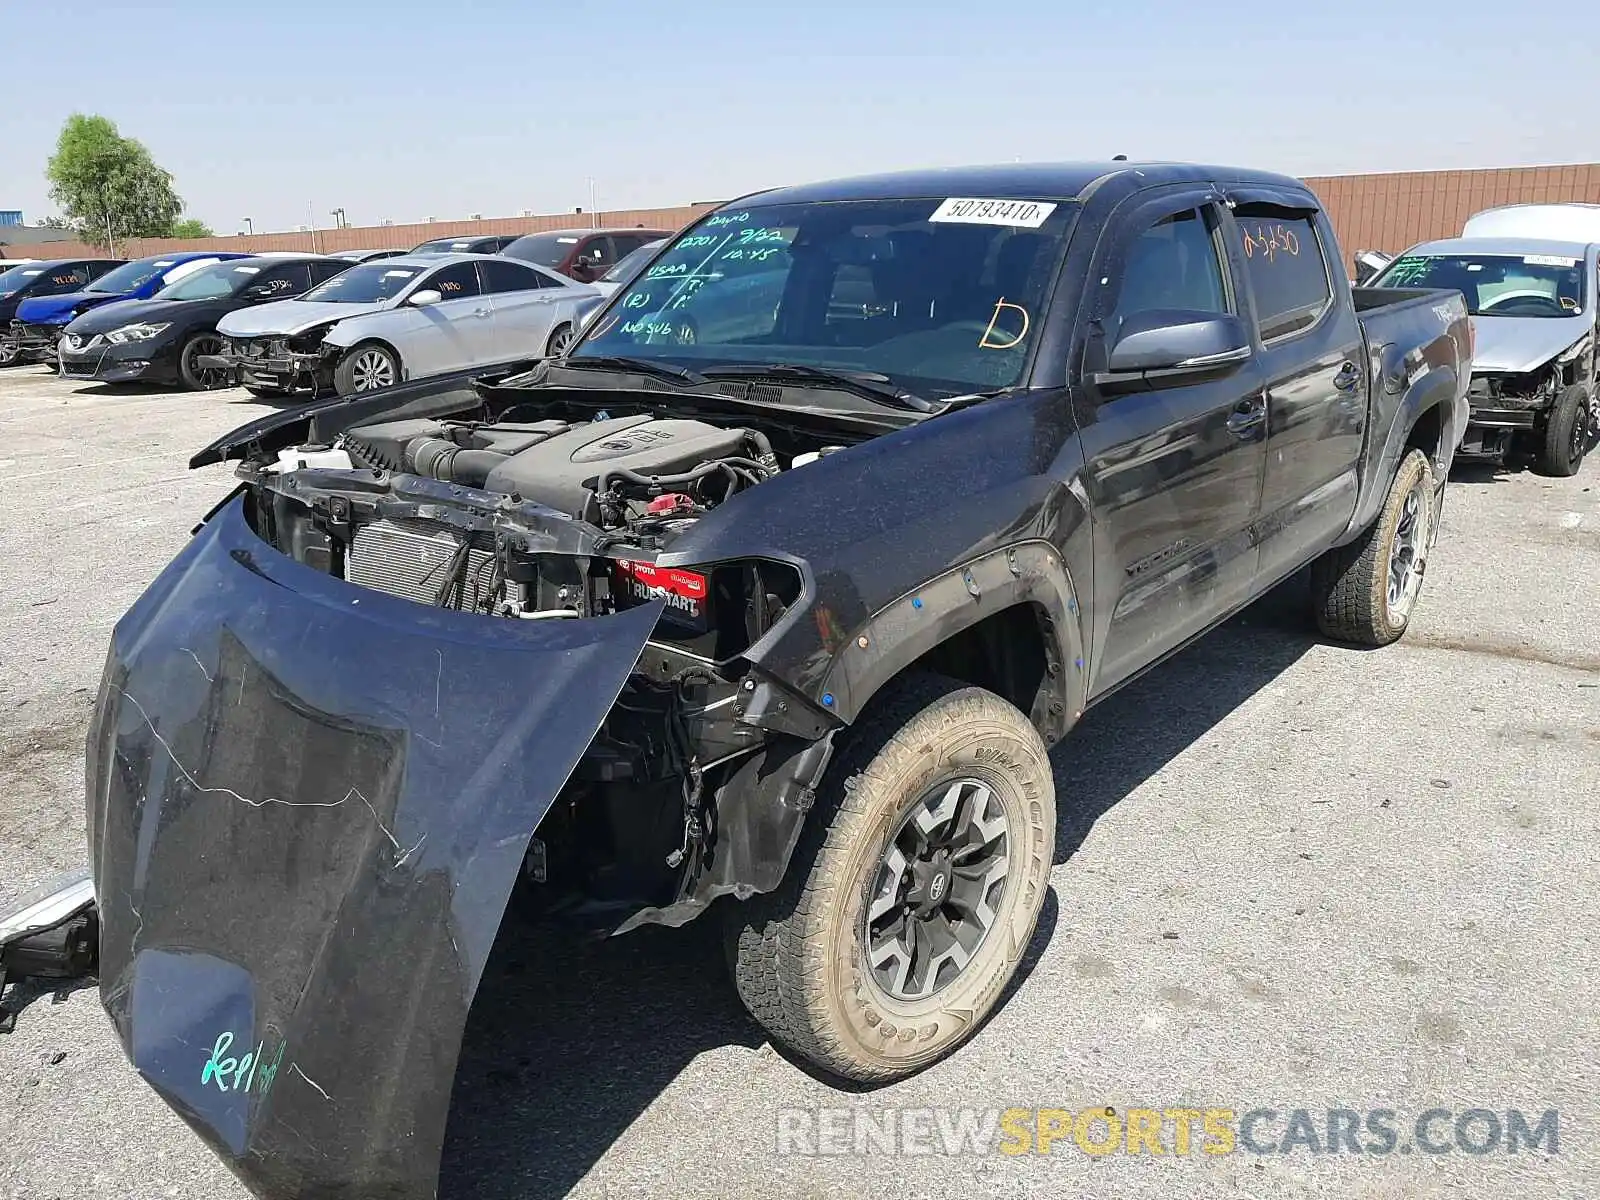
x=1025, y=214
x=1548, y=260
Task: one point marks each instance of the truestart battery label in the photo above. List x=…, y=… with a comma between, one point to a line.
x=683, y=591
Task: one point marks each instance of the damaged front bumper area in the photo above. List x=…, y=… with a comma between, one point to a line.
x=94, y=358
x=1504, y=406
x=35, y=343
x=308, y=804
x=277, y=364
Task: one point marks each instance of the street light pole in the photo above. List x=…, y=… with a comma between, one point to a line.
x=111, y=245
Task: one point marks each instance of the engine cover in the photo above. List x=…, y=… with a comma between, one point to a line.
x=561, y=471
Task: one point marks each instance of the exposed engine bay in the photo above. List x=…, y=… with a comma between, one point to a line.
x=564, y=518
x=608, y=472
x=536, y=520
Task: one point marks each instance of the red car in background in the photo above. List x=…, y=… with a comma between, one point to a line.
x=583, y=254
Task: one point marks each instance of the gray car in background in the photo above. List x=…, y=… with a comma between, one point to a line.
x=381, y=323
x=1531, y=277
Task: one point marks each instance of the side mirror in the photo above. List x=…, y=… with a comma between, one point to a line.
x=1175, y=345
x=424, y=297
x=259, y=291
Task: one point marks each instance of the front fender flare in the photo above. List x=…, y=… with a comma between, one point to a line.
x=907, y=628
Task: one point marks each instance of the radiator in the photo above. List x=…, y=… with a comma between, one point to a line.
x=411, y=558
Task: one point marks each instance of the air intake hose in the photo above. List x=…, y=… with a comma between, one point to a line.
x=436, y=458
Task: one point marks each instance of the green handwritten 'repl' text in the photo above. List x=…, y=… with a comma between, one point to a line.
x=242, y=1074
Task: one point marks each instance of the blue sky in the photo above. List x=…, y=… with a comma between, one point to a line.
x=405, y=110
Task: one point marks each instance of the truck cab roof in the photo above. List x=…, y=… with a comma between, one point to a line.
x=1016, y=181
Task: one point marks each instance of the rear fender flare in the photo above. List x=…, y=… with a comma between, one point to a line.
x=1434, y=389
x=909, y=627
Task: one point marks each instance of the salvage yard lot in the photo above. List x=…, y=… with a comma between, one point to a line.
x=1289, y=875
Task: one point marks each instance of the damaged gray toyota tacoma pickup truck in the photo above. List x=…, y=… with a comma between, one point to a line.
x=769, y=597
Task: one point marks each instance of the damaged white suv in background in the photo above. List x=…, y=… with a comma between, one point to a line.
x=402, y=318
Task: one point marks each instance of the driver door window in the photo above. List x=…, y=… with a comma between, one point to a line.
x=1173, y=264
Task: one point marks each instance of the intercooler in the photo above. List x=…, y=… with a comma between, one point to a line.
x=419, y=560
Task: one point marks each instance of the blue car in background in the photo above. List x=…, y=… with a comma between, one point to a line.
x=40, y=320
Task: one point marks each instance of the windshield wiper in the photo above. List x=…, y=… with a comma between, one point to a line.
x=643, y=366
x=870, y=384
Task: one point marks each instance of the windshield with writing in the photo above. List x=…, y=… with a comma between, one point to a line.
x=17, y=278
x=943, y=297
x=1496, y=285
x=365, y=284
x=129, y=277
x=211, y=283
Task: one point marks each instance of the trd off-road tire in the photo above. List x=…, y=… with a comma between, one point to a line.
x=1365, y=591
x=1566, y=433
x=366, y=368
x=915, y=887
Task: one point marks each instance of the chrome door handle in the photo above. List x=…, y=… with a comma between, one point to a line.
x=482, y=312
x=1347, y=378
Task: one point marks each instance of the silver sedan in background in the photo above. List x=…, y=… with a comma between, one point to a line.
x=381, y=323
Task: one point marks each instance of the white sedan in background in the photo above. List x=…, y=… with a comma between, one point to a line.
x=409, y=317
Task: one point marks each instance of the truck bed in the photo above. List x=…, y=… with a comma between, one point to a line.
x=1371, y=299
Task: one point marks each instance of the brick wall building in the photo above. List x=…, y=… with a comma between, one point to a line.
x=1370, y=212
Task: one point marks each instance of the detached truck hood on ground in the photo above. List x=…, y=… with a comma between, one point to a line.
x=301, y=795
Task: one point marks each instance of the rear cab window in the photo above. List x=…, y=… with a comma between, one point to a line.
x=1286, y=266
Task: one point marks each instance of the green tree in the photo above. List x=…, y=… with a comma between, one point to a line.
x=107, y=185
x=192, y=227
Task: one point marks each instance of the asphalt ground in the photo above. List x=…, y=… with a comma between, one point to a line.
x=1290, y=875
